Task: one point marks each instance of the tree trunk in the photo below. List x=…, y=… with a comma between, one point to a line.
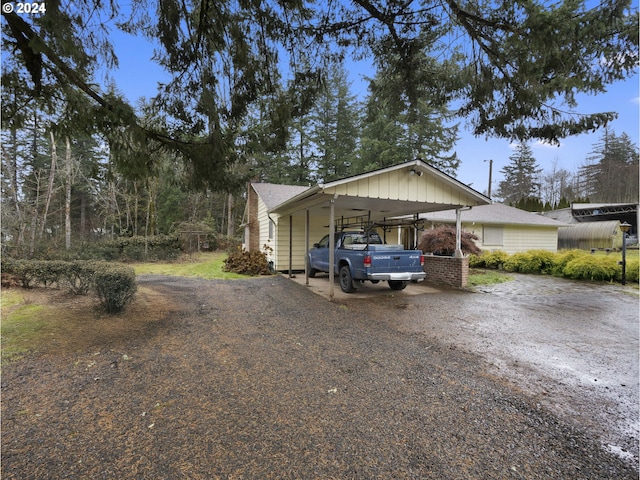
x=12, y=166
x=34, y=216
x=52, y=174
x=67, y=200
x=230, y=221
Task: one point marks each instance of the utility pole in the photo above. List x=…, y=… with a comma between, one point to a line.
x=490, y=174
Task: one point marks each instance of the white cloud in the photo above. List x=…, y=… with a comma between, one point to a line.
x=543, y=144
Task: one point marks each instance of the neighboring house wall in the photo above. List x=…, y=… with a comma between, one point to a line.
x=518, y=239
x=514, y=238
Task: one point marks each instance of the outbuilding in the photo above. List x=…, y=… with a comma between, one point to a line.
x=284, y=221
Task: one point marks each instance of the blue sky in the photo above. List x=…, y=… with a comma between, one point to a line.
x=138, y=76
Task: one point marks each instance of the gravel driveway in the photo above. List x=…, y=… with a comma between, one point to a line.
x=262, y=379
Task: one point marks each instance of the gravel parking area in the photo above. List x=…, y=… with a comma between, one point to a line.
x=262, y=379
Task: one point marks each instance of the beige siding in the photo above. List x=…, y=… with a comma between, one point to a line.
x=317, y=229
x=397, y=185
x=518, y=238
x=263, y=220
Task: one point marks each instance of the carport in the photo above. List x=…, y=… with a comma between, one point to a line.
x=381, y=197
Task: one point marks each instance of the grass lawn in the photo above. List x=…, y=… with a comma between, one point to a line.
x=479, y=276
x=22, y=323
x=207, y=265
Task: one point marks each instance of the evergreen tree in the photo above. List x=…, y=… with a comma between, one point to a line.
x=611, y=173
x=334, y=127
x=521, y=177
x=509, y=64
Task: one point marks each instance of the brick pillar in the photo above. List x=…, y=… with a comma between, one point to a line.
x=447, y=270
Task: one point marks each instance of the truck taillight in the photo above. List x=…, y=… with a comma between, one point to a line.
x=422, y=260
x=367, y=261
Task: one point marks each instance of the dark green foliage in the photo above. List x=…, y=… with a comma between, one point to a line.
x=520, y=177
x=129, y=249
x=115, y=285
x=247, y=263
x=442, y=241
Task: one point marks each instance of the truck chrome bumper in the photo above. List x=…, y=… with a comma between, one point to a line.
x=396, y=276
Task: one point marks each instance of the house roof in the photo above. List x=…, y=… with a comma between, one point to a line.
x=273, y=194
x=496, y=213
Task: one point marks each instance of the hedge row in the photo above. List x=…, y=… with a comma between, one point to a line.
x=114, y=284
x=574, y=264
x=128, y=249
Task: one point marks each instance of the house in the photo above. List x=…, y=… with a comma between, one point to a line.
x=284, y=220
x=500, y=227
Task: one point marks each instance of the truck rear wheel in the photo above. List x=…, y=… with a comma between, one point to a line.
x=346, y=282
x=397, y=284
x=312, y=271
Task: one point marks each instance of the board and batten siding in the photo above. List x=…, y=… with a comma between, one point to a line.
x=263, y=221
x=317, y=230
x=397, y=185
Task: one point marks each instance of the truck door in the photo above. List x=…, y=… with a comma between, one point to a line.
x=321, y=255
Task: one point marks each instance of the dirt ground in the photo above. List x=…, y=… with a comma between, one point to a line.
x=261, y=378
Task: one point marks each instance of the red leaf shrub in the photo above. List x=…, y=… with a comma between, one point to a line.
x=442, y=241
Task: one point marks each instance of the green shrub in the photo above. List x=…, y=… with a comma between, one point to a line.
x=78, y=277
x=592, y=267
x=632, y=271
x=247, y=263
x=115, y=285
x=532, y=261
x=564, y=257
x=493, y=259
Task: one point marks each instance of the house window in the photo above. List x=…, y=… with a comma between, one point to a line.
x=271, y=227
x=492, y=236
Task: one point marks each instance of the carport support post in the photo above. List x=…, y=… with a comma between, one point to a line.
x=332, y=245
x=458, y=253
x=306, y=248
x=290, y=246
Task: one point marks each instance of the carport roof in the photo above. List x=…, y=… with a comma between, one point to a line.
x=404, y=189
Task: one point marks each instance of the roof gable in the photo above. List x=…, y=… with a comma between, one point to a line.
x=273, y=194
x=407, y=188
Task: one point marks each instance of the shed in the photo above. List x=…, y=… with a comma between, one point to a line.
x=500, y=227
x=588, y=235
x=284, y=220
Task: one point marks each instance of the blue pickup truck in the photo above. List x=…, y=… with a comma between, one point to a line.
x=361, y=256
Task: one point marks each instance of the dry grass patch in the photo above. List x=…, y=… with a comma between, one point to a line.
x=51, y=321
